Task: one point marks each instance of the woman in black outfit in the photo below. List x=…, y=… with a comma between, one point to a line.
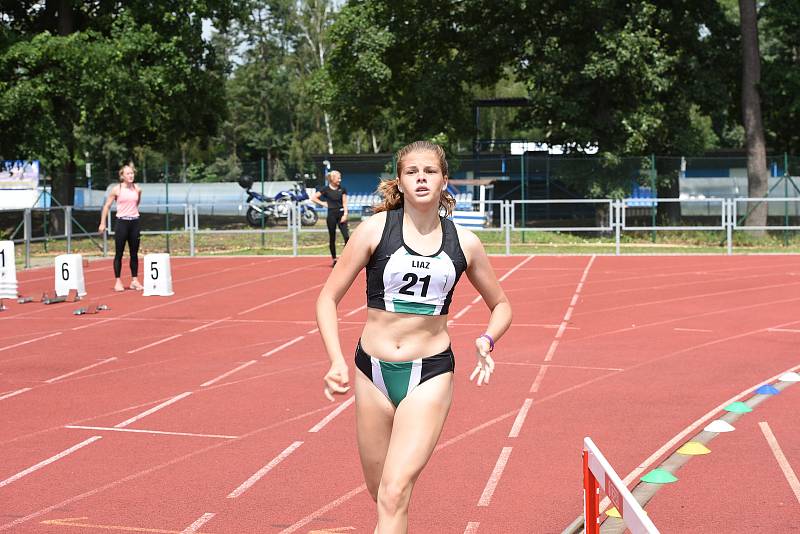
x=334, y=197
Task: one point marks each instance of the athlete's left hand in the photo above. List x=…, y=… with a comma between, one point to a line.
x=485, y=367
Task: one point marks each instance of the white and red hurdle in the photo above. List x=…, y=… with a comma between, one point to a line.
x=598, y=474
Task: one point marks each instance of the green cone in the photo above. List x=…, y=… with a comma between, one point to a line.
x=659, y=476
x=738, y=407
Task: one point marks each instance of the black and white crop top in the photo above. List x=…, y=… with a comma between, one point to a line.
x=402, y=281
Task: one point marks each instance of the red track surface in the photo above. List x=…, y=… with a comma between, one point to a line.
x=647, y=346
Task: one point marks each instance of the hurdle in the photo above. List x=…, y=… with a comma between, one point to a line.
x=598, y=474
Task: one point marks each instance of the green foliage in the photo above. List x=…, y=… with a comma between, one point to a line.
x=99, y=74
x=630, y=77
x=780, y=30
x=412, y=65
x=286, y=79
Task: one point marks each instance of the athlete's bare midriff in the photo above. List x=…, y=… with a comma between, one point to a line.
x=398, y=337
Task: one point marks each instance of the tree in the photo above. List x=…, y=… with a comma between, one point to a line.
x=137, y=73
x=757, y=176
x=314, y=20
x=412, y=66
x=781, y=73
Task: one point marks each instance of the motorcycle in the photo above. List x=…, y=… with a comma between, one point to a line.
x=275, y=210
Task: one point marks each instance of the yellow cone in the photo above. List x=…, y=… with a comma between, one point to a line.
x=693, y=448
x=613, y=512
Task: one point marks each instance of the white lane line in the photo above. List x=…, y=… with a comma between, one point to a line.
x=464, y=310
x=472, y=527
x=212, y=323
x=273, y=301
x=563, y=325
x=353, y=312
x=281, y=347
x=218, y=289
x=520, y=420
x=551, y=350
x=517, y=266
x=14, y=393
x=148, y=471
x=783, y=463
x=229, y=373
x=159, y=342
x=29, y=341
x=633, y=475
x=202, y=520
x=537, y=382
x=324, y=510
x=691, y=330
x=565, y=321
x=517, y=325
x=49, y=461
x=476, y=299
x=443, y=445
x=153, y=410
x=75, y=372
x=247, y=484
x=95, y=323
x=159, y=432
x=791, y=330
x=583, y=367
x=328, y=418
x=494, y=478
x=355, y=491
x=586, y=272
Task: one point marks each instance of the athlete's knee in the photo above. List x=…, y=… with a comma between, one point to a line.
x=394, y=495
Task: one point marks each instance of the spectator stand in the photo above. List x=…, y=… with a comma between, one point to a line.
x=473, y=201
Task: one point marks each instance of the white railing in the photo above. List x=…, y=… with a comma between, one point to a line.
x=610, y=216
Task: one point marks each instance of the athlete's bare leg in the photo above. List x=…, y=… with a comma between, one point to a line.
x=374, y=414
x=416, y=428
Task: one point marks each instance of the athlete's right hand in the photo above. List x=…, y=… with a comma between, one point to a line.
x=102, y=228
x=337, y=380
x=485, y=367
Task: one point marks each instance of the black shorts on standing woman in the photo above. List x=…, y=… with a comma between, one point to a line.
x=334, y=197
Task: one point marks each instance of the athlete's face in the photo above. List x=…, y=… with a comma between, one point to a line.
x=335, y=179
x=127, y=175
x=420, y=178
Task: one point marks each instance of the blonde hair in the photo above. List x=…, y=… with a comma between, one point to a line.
x=390, y=191
x=122, y=169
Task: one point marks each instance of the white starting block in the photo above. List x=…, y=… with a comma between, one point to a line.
x=157, y=276
x=69, y=275
x=8, y=271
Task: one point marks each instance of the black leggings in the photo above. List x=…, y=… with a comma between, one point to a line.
x=333, y=221
x=127, y=231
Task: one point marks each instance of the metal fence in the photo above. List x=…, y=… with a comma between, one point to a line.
x=504, y=226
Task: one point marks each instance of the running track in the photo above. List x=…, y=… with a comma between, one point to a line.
x=203, y=412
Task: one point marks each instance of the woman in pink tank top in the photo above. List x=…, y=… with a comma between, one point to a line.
x=127, y=196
